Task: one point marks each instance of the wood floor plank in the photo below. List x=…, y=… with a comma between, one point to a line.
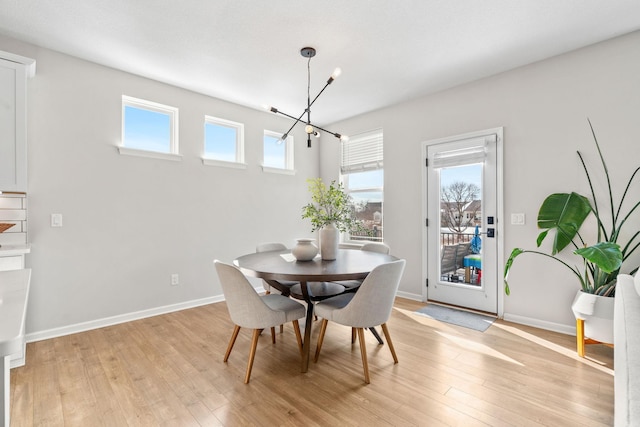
x=168, y=370
x=21, y=389
x=47, y=406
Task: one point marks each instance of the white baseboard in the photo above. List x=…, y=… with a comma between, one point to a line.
x=122, y=318
x=542, y=324
x=407, y=295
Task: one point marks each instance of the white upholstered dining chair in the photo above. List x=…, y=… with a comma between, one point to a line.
x=285, y=285
x=247, y=309
x=376, y=247
x=369, y=307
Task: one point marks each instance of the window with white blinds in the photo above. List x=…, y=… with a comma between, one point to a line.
x=362, y=175
x=463, y=152
x=362, y=152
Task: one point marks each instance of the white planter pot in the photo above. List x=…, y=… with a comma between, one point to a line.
x=597, y=312
x=305, y=250
x=329, y=240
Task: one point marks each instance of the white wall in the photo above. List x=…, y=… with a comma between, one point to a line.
x=130, y=222
x=544, y=109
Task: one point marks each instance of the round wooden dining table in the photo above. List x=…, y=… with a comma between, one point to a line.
x=273, y=266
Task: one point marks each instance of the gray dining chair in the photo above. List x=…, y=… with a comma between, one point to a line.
x=247, y=309
x=353, y=285
x=369, y=307
x=283, y=286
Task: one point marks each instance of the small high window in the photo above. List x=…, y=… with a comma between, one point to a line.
x=148, y=128
x=277, y=154
x=223, y=142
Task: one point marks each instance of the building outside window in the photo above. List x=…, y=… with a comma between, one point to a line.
x=362, y=175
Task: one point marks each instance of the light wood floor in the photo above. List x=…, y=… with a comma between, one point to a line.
x=168, y=370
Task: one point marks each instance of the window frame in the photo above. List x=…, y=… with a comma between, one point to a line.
x=143, y=104
x=239, y=163
x=373, y=162
x=288, y=155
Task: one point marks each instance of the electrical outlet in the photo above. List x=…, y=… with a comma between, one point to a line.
x=175, y=280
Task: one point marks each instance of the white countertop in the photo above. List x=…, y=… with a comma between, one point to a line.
x=9, y=250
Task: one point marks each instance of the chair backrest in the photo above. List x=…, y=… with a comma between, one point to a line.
x=376, y=247
x=245, y=306
x=448, y=260
x=464, y=249
x=273, y=246
x=371, y=305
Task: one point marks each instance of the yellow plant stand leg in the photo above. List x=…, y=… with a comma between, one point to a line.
x=580, y=336
x=581, y=340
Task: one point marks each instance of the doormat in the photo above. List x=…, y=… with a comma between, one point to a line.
x=453, y=316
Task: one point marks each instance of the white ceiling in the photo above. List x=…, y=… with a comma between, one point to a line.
x=247, y=51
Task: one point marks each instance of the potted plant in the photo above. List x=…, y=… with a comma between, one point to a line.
x=331, y=211
x=600, y=262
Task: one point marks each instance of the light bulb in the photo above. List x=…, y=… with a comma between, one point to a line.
x=336, y=73
x=344, y=138
x=308, y=129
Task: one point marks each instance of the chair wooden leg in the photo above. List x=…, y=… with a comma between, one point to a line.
x=353, y=335
x=273, y=335
x=323, y=329
x=281, y=328
x=232, y=341
x=363, y=353
x=252, y=354
x=296, y=329
x=389, y=342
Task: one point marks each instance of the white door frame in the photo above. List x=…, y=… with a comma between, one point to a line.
x=500, y=221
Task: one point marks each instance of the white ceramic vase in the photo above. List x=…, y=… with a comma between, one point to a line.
x=304, y=250
x=329, y=240
x=597, y=313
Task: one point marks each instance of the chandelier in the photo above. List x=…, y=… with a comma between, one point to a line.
x=310, y=128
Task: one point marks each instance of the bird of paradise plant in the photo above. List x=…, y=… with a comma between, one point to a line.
x=566, y=212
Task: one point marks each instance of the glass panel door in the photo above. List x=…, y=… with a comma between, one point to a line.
x=461, y=207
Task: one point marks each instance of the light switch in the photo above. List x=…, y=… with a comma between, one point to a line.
x=56, y=220
x=517, y=219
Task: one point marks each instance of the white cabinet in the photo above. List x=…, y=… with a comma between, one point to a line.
x=13, y=121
